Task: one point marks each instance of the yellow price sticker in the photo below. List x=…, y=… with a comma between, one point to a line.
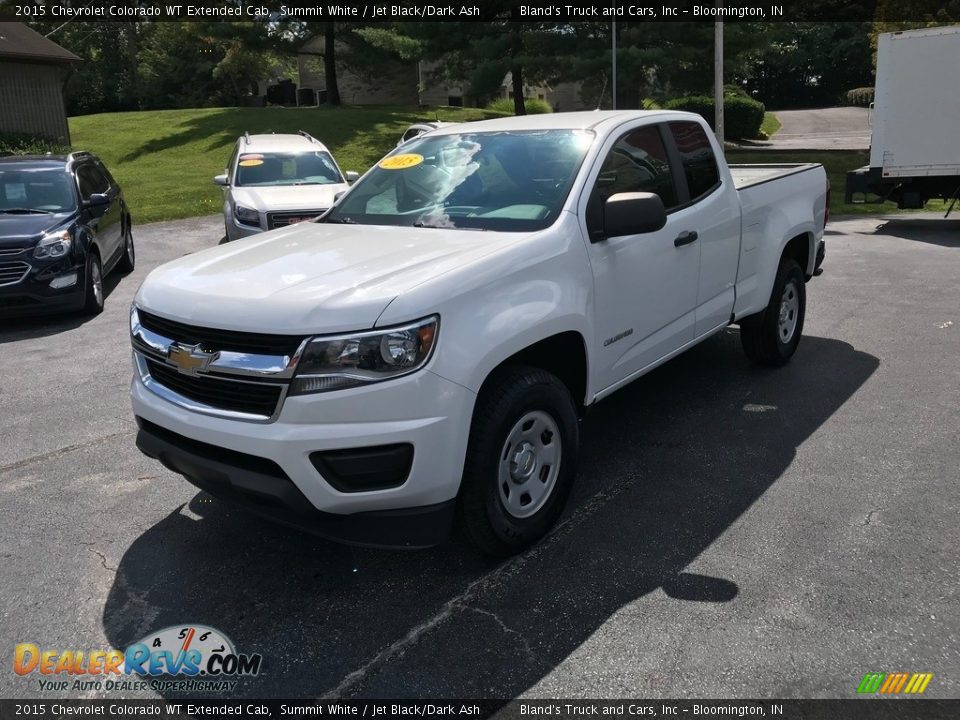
x=401, y=162
x=250, y=163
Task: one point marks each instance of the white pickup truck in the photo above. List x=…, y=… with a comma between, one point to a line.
x=421, y=355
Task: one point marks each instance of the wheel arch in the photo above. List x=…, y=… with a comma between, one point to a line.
x=563, y=354
x=801, y=248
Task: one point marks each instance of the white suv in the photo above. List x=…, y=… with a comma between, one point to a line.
x=276, y=180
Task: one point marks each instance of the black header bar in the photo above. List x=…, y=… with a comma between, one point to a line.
x=636, y=709
x=482, y=10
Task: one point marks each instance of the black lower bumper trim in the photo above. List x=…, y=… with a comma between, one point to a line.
x=260, y=486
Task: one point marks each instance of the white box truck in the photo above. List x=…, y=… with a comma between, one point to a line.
x=914, y=149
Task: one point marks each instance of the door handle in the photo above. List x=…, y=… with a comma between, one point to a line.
x=685, y=238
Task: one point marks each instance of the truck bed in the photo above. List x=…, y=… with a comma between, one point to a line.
x=745, y=176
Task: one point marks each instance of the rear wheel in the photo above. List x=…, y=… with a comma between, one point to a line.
x=521, y=460
x=93, y=302
x=771, y=337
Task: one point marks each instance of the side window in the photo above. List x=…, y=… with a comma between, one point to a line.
x=111, y=182
x=637, y=163
x=90, y=181
x=696, y=155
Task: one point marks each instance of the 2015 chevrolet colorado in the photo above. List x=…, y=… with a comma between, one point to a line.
x=420, y=355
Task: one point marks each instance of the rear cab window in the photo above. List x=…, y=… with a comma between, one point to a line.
x=697, y=158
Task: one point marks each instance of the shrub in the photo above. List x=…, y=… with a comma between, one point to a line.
x=650, y=104
x=24, y=144
x=861, y=96
x=533, y=106
x=742, y=116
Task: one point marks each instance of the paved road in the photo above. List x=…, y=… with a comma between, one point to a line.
x=841, y=128
x=734, y=532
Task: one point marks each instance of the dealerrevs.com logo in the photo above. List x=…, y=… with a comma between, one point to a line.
x=189, y=658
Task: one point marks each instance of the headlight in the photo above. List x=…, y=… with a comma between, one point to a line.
x=246, y=215
x=53, y=245
x=335, y=363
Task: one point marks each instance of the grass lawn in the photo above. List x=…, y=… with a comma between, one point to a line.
x=836, y=163
x=770, y=125
x=165, y=159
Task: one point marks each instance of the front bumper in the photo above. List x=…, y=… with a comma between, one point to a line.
x=236, y=231
x=33, y=295
x=264, y=489
x=423, y=410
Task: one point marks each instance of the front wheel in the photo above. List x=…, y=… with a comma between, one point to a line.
x=93, y=301
x=771, y=336
x=521, y=460
x=129, y=259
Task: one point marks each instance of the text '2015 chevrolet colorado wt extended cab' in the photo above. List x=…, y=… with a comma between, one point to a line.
x=421, y=354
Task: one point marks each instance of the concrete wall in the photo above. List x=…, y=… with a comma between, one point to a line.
x=31, y=100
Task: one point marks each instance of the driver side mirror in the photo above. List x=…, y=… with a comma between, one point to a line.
x=351, y=176
x=633, y=213
x=221, y=180
x=98, y=200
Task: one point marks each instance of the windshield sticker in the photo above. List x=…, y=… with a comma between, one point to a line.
x=401, y=162
x=250, y=163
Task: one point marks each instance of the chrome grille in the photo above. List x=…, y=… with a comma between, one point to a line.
x=7, y=252
x=243, y=397
x=282, y=219
x=226, y=373
x=13, y=272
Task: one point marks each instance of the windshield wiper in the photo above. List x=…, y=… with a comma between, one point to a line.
x=25, y=211
x=340, y=221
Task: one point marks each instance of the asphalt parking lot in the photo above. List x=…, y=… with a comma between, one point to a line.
x=734, y=532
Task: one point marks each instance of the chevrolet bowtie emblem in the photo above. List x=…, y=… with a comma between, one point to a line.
x=190, y=359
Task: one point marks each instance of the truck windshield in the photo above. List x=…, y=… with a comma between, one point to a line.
x=301, y=168
x=28, y=190
x=506, y=181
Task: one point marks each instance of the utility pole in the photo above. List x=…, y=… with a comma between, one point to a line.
x=614, y=53
x=718, y=77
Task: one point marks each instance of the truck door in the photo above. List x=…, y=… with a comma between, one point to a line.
x=645, y=286
x=717, y=210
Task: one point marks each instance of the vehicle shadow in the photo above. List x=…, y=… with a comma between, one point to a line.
x=667, y=466
x=935, y=231
x=36, y=326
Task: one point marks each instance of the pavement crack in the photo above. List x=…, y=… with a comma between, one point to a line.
x=867, y=520
x=474, y=589
x=103, y=558
x=528, y=648
x=61, y=451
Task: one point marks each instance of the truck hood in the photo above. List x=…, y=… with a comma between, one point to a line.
x=310, y=278
x=280, y=198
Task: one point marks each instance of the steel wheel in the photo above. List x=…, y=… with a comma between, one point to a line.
x=529, y=464
x=789, y=312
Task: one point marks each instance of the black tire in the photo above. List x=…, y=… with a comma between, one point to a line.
x=93, y=300
x=128, y=261
x=510, y=397
x=764, y=338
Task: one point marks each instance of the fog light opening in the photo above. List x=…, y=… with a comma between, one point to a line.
x=64, y=281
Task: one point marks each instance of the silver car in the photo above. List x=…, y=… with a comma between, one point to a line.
x=276, y=180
